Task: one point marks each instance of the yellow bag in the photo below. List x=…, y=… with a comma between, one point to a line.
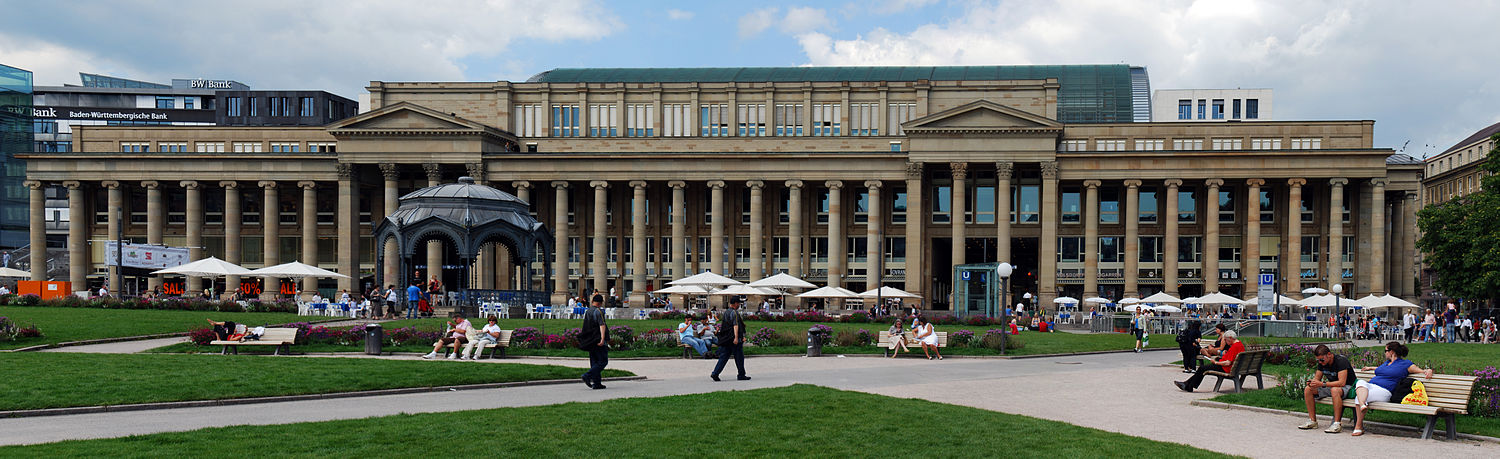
x=1418, y=395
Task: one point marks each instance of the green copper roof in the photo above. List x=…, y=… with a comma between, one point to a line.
x=1088, y=93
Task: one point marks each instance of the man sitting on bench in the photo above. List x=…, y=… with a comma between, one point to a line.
x=687, y=333
x=1235, y=347
x=490, y=334
x=1333, y=378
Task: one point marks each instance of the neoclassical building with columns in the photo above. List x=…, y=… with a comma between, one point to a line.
x=849, y=176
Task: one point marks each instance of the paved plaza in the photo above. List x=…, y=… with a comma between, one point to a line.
x=1125, y=392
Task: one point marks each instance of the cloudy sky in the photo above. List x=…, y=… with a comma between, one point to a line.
x=1425, y=71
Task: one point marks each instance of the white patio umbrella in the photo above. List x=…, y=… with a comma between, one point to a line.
x=207, y=267
x=1323, y=301
x=708, y=278
x=1138, y=306
x=783, y=281
x=1161, y=297
x=1065, y=300
x=1129, y=300
x=295, y=270
x=743, y=289
x=829, y=292
x=1167, y=308
x=13, y=272
x=887, y=292
x=1314, y=291
x=1285, y=300
x=683, y=290
x=1217, y=298
x=1388, y=301
x=1096, y=300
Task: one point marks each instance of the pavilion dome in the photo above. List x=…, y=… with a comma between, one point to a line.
x=465, y=204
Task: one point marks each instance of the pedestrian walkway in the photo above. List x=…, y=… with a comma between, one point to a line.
x=1127, y=393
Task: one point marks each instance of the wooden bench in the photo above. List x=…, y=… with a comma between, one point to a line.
x=1447, y=397
x=282, y=338
x=884, y=342
x=1246, y=364
x=687, y=351
x=499, y=345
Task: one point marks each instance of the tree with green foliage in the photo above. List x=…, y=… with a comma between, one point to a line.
x=1461, y=237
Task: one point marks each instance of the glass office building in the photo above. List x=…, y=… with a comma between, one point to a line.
x=15, y=137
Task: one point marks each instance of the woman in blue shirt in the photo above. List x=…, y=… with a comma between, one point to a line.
x=1387, y=376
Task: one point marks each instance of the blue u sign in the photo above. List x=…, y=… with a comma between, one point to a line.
x=1267, y=279
x=964, y=274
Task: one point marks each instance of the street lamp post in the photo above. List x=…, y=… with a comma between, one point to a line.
x=1337, y=289
x=1004, y=271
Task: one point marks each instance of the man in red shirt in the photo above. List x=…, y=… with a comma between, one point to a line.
x=1233, y=349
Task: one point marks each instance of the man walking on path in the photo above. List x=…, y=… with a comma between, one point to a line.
x=413, y=296
x=594, y=338
x=1449, y=318
x=1409, y=325
x=731, y=340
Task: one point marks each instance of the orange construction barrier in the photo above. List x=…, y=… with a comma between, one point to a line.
x=45, y=289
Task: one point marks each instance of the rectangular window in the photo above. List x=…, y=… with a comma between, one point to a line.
x=248, y=147
x=675, y=120
x=741, y=250
x=1109, y=145
x=1267, y=206
x=254, y=106
x=1236, y=113
x=862, y=119
x=1229, y=248
x=1307, y=143
x=1349, y=248
x=1202, y=109
x=1075, y=145
x=1149, y=144
x=1189, y=249
x=209, y=147
x=1111, y=250
x=1184, y=109
x=942, y=204
x=1109, y=205
x=1252, y=109
x=1229, y=144
x=898, y=206
x=900, y=113
x=1071, y=208
x=307, y=107
x=172, y=147
x=981, y=205
x=276, y=106
x=565, y=121
x=1187, y=144
x=1265, y=144
x=752, y=120
x=714, y=120
x=283, y=147
x=1150, y=249
x=638, y=119
x=233, y=106
x=823, y=205
x=165, y=102
x=1270, y=249
x=818, y=252
x=602, y=119
x=322, y=147
x=896, y=147
x=781, y=249
x=135, y=147
x=895, y=248
x=825, y=120
x=788, y=119
x=1028, y=203
x=1227, y=204
x=1306, y=208
x=1187, y=205
x=527, y=120
x=1069, y=248
x=1218, y=112
x=1310, y=249
x=861, y=207
x=1148, y=205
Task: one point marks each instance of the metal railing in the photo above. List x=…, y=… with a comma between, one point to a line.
x=1243, y=327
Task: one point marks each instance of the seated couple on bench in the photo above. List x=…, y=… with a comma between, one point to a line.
x=1335, y=377
x=697, y=336
x=1233, y=348
x=458, y=333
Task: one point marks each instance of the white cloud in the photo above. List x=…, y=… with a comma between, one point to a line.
x=679, y=15
x=309, y=45
x=803, y=20
x=1418, y=69
x=757, y=21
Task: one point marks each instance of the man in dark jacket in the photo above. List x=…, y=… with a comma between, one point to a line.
x=594, y=338
x=731, y=340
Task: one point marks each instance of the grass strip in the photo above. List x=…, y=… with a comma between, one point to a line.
x=78, y=324
x=794, y=421
x=56, y=380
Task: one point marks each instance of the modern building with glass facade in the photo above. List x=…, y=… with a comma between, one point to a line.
x=853, y=176
x=15, y=137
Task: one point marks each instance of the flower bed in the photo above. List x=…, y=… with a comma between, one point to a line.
x=168, y=304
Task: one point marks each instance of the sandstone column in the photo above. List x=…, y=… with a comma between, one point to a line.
x=310, y=231
x=1091, y=239
x=155, y=223
x=1211, y=236
x=435, y=249
x=1003, y=172
x=680, y=244
x=1169, y=239
x=348, y=226
x=874, y=237
x=638, y=243
x=599, y=264
x=837, y=255
x=194, y=232
x=1291, y=267
x=757, y=229
x=959, y=206
x=392, y=258
x=1132, y=219
x=1407, y=259
x=116, y=205
x=716, y=227
x=503, y=270
x=1047, y=278
x=270, y=220
x=1250, y=256
x=38, y=229
x=563, y=250
x=794, y=228
x=78, y=225
x=1377, y=236
x=916, y=244
x=1335, y=261
x=232, y=218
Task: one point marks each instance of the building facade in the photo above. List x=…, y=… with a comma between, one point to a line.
x=1454, y=173
x=1209, y=105
x=15, y=138
x=853, y=176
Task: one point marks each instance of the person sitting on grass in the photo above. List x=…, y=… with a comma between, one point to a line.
x=457, y=334
x=687, y=333
x=1333, y=378
x=928, y=338
x=490, y=334
x=1235, y=347
x=1379, y=388
x=897, y=341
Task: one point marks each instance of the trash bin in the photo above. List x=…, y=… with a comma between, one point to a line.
x=373, y=335
x=814, y=342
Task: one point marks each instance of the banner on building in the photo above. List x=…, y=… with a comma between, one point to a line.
x=146, y=256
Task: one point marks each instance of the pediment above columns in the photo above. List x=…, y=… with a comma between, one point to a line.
x=407, y=128
x=982, y=117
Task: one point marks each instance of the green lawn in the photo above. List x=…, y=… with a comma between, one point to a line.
x=795, y=421
x=77, y=324
x=53, y=380
x=1449, y=358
